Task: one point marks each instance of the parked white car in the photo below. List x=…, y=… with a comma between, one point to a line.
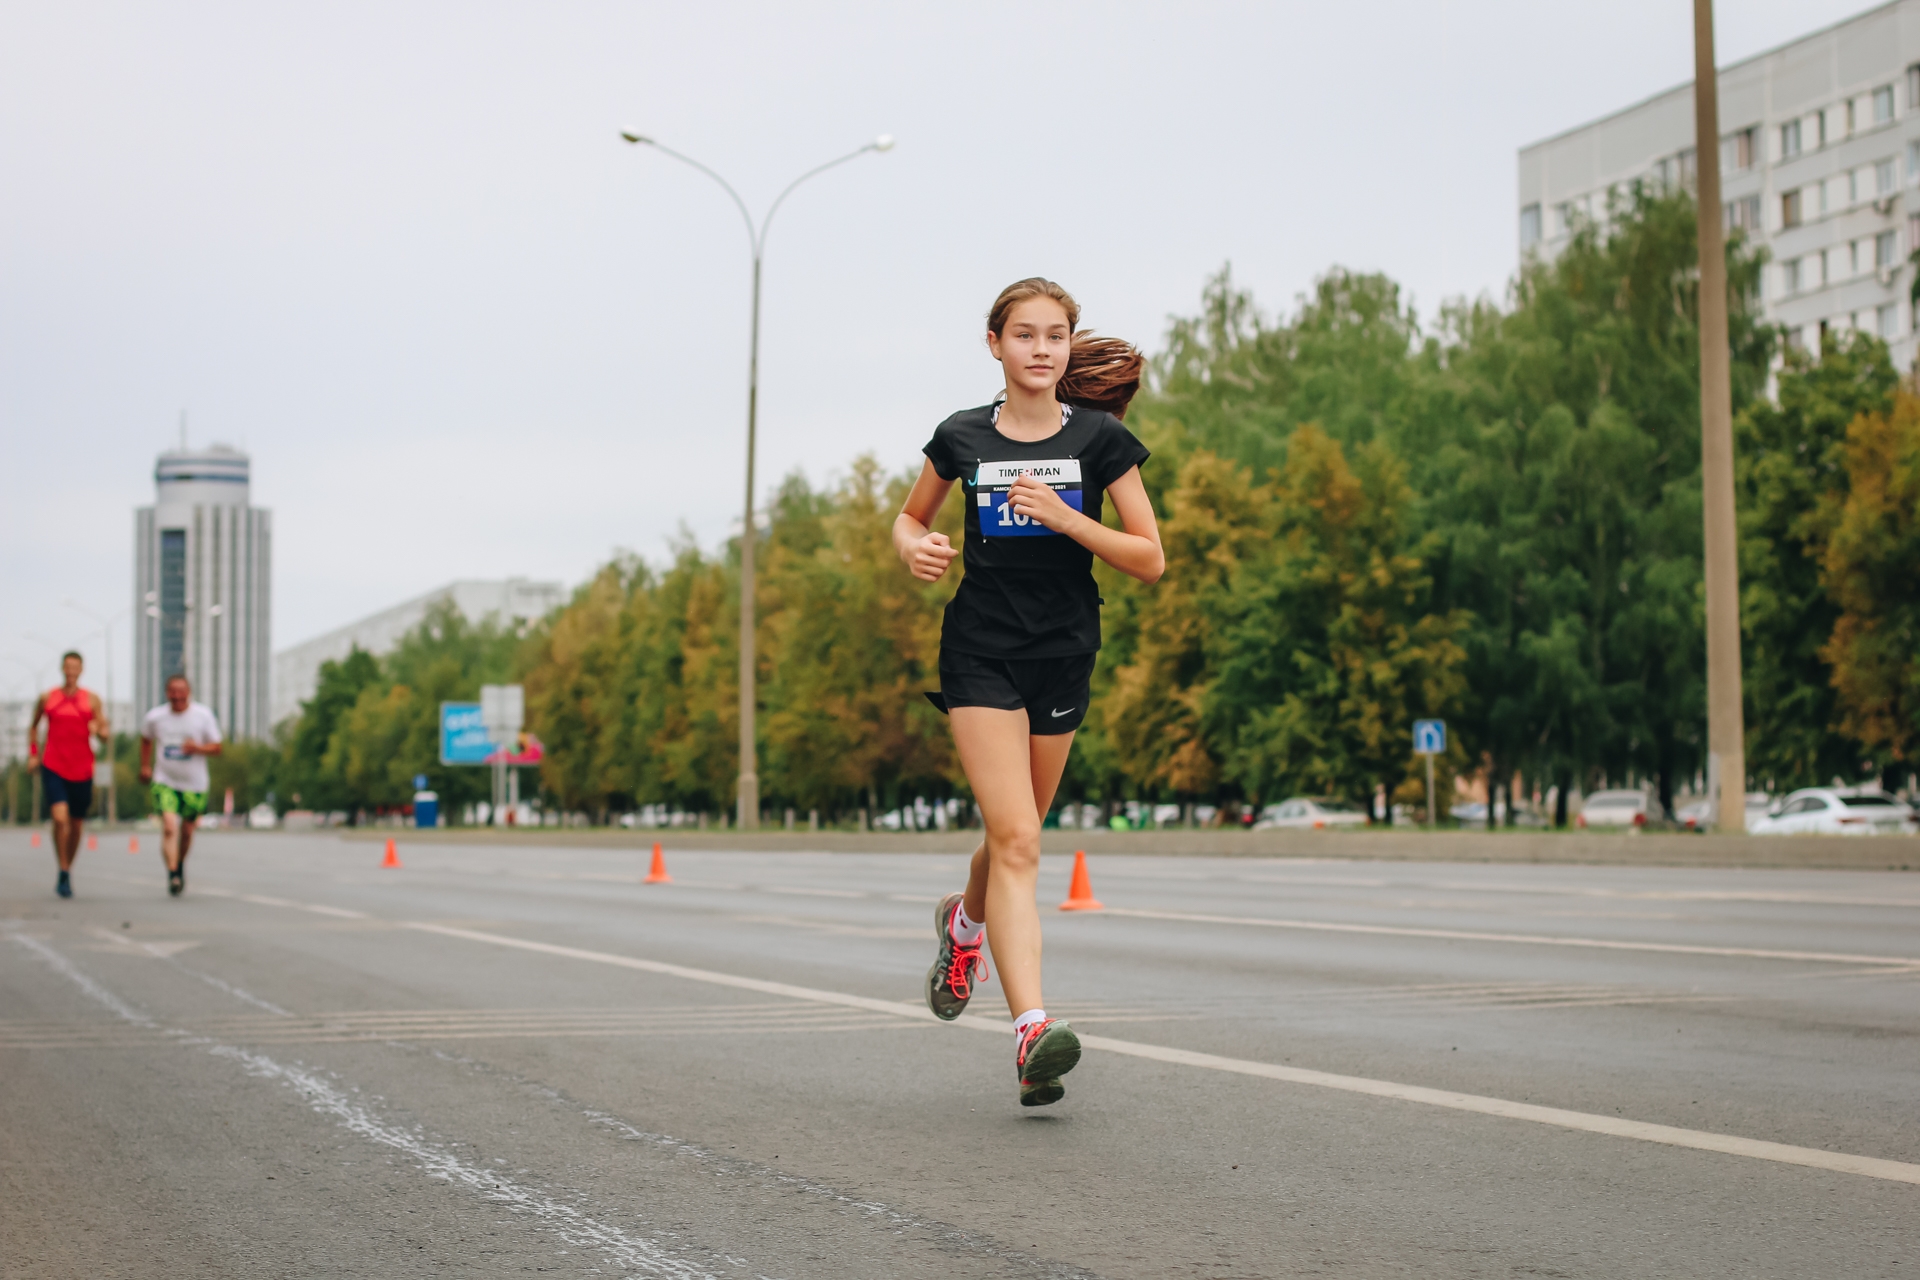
x=1613, y=809
x=1824, y=811
x=1309, y=813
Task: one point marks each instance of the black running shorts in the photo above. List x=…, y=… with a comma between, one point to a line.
x=1053, y=691
x=77, y=796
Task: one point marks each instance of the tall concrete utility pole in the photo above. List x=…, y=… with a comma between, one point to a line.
x=1726, y=729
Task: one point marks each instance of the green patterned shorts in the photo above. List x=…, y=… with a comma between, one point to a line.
x=188, y=804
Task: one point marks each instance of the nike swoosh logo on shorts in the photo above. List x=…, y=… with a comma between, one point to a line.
x=1067, y=712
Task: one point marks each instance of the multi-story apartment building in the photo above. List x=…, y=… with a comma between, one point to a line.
x=1819, y=163
x=203, y=574
x=510, y=602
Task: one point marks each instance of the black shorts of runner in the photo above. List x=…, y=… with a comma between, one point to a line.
x=77, y=796
x=1053, y=691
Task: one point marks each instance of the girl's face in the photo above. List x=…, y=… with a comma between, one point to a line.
x=1033, y=344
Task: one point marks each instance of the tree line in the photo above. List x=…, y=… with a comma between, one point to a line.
x=1492, y=517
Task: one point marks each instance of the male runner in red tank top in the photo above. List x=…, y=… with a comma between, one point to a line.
x=74, y=716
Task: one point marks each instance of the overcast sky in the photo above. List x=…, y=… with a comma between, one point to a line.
x=399, y=254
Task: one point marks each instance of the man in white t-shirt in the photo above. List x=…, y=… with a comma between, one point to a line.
x=175, y=741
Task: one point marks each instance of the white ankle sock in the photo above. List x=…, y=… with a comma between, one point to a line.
x=962, y=930
x=1025, y=1020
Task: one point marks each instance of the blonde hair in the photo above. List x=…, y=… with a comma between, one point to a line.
x=1102, y=373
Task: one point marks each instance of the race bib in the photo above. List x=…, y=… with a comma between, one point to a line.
x=994, y=480
x=173, y=751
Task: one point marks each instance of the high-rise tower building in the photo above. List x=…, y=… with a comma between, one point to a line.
x=202, y=572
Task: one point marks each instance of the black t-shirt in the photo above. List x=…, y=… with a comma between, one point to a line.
x=1028, y=592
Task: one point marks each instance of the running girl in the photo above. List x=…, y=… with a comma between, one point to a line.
x=1020, y=637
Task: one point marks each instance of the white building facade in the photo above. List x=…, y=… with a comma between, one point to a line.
x=509, y=602
x=203, y=589
x=1819, y=163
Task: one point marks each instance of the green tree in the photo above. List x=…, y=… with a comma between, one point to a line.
x=1869, y=564
x=1790, y=461
x=309, y=784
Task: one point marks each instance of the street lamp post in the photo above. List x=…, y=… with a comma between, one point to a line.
x=748, y=799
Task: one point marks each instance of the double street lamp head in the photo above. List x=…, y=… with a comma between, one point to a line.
x=882, y=143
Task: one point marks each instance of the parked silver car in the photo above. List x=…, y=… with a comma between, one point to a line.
x=1824, y=811
x=1309, y=813
x=1613, y=809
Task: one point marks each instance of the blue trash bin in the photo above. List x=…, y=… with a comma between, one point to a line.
x=426, y=809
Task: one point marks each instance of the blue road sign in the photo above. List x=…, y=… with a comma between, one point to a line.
x=1430, y=737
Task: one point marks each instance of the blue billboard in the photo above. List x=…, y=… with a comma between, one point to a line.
x=463, y=739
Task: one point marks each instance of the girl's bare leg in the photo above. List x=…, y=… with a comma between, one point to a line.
x=1014, y=775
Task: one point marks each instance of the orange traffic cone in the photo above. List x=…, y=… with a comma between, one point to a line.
x=393, y=855
x=657, y=874
x=1080, y=891
x=133, y=844
x=93, y=844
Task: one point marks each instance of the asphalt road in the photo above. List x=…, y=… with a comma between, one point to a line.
x=497, y=1061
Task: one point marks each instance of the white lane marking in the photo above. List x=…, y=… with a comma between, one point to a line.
x=568, y=1223
x=737, y=981
x=1528, y=939
x=123, y=1010
x=260, y=899
x=167, y=950
x=1611, y=1126
x=576, y=1228
x=1575, y=891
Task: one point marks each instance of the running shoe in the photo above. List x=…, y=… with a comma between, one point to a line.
x=1048, y=1051
x=176, y=883
x=950, y=981
x=64, y=885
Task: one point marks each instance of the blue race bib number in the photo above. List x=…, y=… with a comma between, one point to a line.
x=992, y=485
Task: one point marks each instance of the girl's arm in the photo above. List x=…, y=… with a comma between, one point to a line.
x=926, y=554
x=1133, y=549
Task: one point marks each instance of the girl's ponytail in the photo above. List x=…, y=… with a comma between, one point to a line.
x=1102, y=373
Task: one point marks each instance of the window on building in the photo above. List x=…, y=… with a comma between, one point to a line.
x=1790, y=210
x=1913, y=87
x=1913, y=231
x=1884, y=248
x=1883, y=179
x=1530, y=226
x=1888, y=322
x=1790, y=277
x=1913, y=163
x=1883, y=104
x=1789, y=139
x=1820, y=128
x=1568, y=215
x=1739, y=151
x=1744, y=214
